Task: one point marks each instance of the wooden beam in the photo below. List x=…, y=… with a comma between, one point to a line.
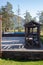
x=0, y=33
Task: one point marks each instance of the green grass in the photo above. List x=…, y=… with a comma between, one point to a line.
x=41, y=39
x=13, y=62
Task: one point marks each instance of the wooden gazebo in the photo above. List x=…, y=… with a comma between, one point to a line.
x=32, y=34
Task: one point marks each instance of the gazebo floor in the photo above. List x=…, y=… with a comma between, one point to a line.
x=20, y=48
x=24, y=50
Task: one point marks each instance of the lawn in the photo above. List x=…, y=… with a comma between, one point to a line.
x=41, y=36
x=13, y=62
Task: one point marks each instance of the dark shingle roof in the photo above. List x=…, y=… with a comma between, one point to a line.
x=32, y=23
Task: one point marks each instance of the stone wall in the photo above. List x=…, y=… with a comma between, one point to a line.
x=22, y=55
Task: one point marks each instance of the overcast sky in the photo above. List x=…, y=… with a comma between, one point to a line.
x=32, y=6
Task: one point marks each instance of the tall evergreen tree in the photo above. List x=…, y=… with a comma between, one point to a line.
x=27, y=17
x=7, y=17
x=40, y=15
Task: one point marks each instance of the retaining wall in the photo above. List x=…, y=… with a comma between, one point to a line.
x=22, y=55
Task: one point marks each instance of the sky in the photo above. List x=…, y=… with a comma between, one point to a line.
x=32, y=6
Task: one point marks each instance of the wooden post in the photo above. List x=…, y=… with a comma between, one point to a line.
x=38, y=31
x=39, y=35
x=25, y=37
x=0, y=34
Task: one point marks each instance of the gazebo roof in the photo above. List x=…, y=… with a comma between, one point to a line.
x=32, y=23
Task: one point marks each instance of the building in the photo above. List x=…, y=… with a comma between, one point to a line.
x=32, y=34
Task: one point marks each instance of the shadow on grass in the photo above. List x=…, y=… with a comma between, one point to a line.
x=41, y=38
x=22, y=60
x=41, y=35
